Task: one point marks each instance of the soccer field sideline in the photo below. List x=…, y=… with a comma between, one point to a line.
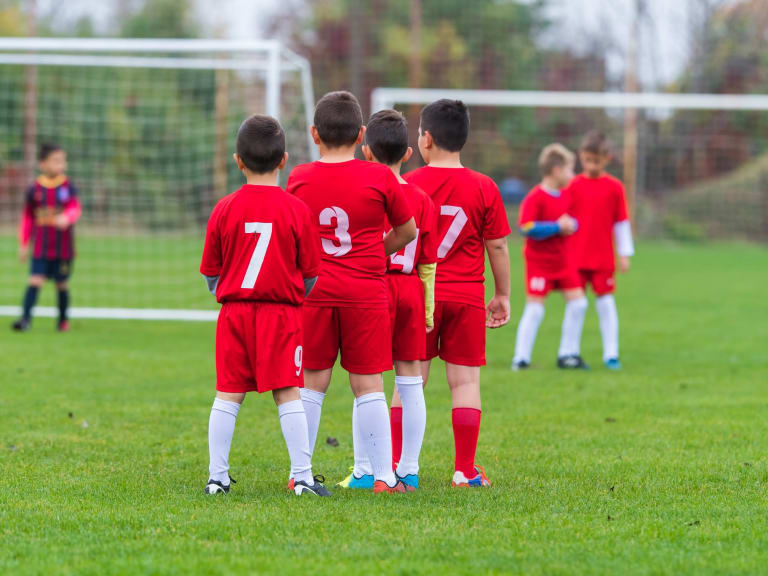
x=660, y=469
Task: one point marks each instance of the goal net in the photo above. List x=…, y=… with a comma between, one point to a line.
x=695, y=165
x=149, y=129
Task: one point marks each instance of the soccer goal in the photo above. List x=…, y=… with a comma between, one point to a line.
x=697, y=163
x=149, y=129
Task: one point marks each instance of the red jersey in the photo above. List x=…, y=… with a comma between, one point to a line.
x=261, y=244
x=45, y=200
x=351, y=202
x=470, y=211
x=598, y=204
x=551, y=255
x=423, y=249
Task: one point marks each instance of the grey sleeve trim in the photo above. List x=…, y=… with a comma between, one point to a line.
x=212, y=282
x=309, y=284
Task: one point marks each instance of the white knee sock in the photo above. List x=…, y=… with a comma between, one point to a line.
x=313, y=407
x=373, y=423
x=609, y=325
x=293, y=422
x=362, y=463
x=533, y=314
x=411, y=391
x=573, y=324
x=221, y=427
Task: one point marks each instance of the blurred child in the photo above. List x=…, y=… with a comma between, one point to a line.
x=472, y=220
x=260, y=260
x=546, y=224
x=51, y=210
x=411, y=281
x=600, y=207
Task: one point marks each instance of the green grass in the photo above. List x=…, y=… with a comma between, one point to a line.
x=660, y=469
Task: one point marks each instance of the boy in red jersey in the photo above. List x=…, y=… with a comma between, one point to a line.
x=411, y=280
x=601, y=209
x=472, y=219
x=260, y=260
x=348, y=311
x=546, y=224
x=51, y=209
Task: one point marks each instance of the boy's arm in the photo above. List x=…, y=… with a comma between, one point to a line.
x=399, y=237
x=72, y=211
x=210, y=266
x=25, y=225
x=212, y=282
x=498, y=307
x=308, y=251
x=427, y=274
x=625, y=246
x=400, y=215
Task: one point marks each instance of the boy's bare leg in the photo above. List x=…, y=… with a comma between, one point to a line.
x=533, y=314
x=221, y=427
x=373, y=424
x=573, y=323
x=464, y=382
x=293, y=423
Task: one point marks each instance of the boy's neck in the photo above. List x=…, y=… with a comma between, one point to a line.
x=51, y=181
x=396, y=171
x=268, y=179
x=336, y=155
x=439, y=158
x=596, y=176
x=549, y=184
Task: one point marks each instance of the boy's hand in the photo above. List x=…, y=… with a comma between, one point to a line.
x=61, y=221
x=624, y=264
x=498, y=312
x=430, y=328
x=22, y=254
x=567, y=225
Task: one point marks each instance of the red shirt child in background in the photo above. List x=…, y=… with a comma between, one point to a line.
x=260, y=260
x=472, y=219
x=411, y=282
x=351, y=201
x=546, y=223
x=600, y=207
x=51, y=209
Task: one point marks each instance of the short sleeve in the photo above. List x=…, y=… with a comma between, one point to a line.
x=428, y=232
x=398, y=209
x=620, y=213
x=211, y=263
x=528, y=210
x=307, y=246
x=496, y=224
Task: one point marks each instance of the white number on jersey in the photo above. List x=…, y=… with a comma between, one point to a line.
x=538, y=284
x=264, y=230
x=341, y=231
x=298, y=356
x=408, y=257
x=459, y=221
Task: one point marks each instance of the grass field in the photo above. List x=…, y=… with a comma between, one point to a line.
x=660, y=469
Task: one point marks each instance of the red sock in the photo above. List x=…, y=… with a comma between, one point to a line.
x=396, y=425
x=466, y=428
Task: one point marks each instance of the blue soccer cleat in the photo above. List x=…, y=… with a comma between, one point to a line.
x=411, y=481
x=480, y=480
x=364, y=482
x=612, y=364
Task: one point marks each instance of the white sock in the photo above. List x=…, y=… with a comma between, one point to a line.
x=221, y=427
x=313, y=407
x=362, y=463
x=293, y=422
x=573, y=324
x=609, y=325
x=533, y=314
x=373, y=423
x=411, y=391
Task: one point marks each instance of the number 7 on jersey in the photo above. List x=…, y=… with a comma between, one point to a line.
x=264, y=230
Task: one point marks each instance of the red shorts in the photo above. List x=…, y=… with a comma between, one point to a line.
x=602, y=281
x=538, y=283
x=258, y=347
x=459, y=334
x=407, y=317
x=362, y=335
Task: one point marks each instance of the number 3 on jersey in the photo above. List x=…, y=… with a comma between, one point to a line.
x=264, y=230
x=454, y=230
x=341, y=232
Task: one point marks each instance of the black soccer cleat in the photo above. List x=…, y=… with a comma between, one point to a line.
x=300, y=487
x=572, y=363
x=21, y=325
x=216, y=487
x=520, y=365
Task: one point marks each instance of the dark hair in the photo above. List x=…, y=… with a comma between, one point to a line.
x=46, y=149
x=338, y=119
x=595, y=142
x=261, y=143
x=552, y=156
x=448, y=123
x=387, y=136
